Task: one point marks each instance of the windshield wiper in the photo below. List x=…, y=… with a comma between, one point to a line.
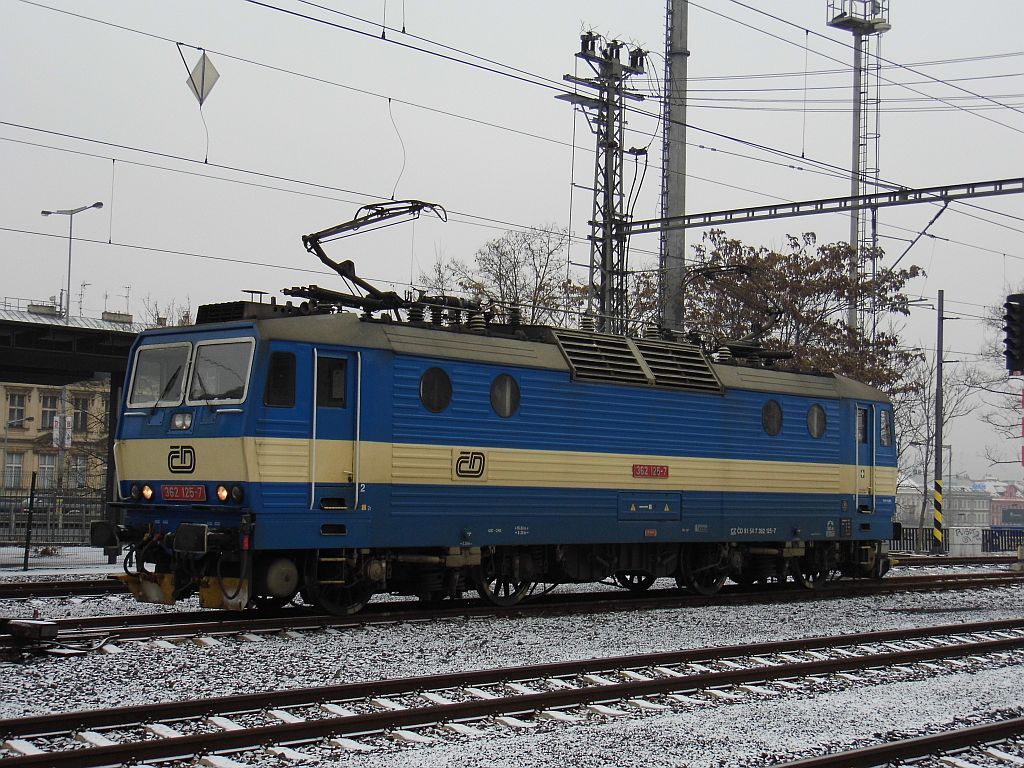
x=166, y=389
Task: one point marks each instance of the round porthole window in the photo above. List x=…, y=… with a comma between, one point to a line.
x=771, y=417
x=504, y=395
x=435, y=390
x=816, y=423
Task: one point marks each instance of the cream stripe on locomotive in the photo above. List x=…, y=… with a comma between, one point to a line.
x=287, y=460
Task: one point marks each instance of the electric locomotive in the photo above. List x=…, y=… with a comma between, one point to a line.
x=272, y=449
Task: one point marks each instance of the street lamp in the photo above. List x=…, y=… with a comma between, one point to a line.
x=71, y=223
x=7, y=425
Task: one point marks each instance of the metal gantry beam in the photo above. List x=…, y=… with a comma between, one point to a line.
x=827, y=205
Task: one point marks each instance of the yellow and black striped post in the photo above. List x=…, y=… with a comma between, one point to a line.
x=937, y=547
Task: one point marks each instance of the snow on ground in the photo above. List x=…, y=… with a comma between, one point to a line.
x=709, y=735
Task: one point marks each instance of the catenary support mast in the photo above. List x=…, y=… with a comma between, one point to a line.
x=608, y=268
x=673, y=165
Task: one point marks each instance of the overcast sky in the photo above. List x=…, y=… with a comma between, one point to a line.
x=308, y=121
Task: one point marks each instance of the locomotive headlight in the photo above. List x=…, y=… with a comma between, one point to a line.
x=237, y=494
x=135, y=492
x=222, y=493
x=147, y=492
x=181, y=420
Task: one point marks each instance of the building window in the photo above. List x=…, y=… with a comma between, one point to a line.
x=435, y=390
x=47, y=471
x=816, y=421
x=16, y=409
x=771, y=417
x=504, y=395
x=79, y=471
x=81, y=425
x=13, y=469
x=49, y=403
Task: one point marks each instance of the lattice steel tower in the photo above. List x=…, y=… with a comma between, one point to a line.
x=608, y=268
x=867, y=20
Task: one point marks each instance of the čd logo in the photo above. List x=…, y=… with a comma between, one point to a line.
x=181, y=459
x=470, y=464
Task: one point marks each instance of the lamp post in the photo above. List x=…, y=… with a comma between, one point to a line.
x=71, y=224
x=7, y=425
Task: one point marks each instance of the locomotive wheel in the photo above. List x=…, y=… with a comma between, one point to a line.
x=704, y=581
x=500, y=590
x=269, y=602
x=333, y=585
x=634, y=581
x=808, y=574
x=703, y=572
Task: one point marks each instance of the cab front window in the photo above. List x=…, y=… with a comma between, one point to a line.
x=159, y=375
x=221, y=371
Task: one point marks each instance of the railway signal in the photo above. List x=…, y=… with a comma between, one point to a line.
x=1014, y=330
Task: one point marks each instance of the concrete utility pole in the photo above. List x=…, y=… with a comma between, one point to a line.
x=673, y=165
x=608, y=268
x=867, y=20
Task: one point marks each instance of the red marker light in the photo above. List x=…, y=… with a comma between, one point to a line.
x=245, y=541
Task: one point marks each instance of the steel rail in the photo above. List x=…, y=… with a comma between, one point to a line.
x=940, y=560
x=223, y=623
x=352, y=725
x=75, y=588
x=41, y=725
x=919, y=746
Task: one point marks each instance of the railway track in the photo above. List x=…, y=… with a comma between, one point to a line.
x=84, y=634
x=996, y=743
x=920, y=561
x=20, y=590
x=359, y=717
x=108, y=585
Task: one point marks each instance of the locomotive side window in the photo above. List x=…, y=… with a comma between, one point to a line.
x=771, y=417
x=159, y=375
x=885, y=430
x=862, y=425
x=504, y=395
x=280, y=389
x=220, y=371
x=330, y=382
x=816, y=423
x=435, y=390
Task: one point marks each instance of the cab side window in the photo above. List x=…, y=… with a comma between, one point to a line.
x=280, y=391
x=330, y=382
x=885, y=428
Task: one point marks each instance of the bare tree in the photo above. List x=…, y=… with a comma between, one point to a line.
x=914, y=408
x=522, y=269
x=171, y=313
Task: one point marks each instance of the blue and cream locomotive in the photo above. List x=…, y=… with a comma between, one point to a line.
x=266, y=451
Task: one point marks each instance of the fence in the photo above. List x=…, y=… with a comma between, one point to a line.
x=995, y=540
x=54, y=533
x=1002, y=538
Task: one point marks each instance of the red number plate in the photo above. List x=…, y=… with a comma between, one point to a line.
x=650, y=470
x=184, y=492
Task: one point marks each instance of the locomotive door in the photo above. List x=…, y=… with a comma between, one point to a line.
x=334, y=460
x=865, y=470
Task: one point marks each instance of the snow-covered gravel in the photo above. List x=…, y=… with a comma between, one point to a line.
x=747, y=733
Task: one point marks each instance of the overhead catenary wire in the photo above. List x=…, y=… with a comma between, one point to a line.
x=763, y=160
x=881, y=59
x=820, y=166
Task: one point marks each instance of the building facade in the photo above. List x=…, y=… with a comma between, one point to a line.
x=35, y=420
